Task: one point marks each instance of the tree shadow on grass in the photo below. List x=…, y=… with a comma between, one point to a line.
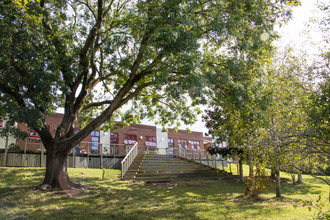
x=106, y=198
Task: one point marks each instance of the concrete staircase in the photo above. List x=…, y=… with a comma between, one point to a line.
x=169, y=168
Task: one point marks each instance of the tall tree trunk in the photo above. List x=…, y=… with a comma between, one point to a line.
x=300, y=179
x=293, y=179
x=272, y=174
x=250, y=164
x=278, y=183
x=240, y=166
x=56, y=172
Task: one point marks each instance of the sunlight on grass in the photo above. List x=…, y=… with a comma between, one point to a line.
x=107, y=197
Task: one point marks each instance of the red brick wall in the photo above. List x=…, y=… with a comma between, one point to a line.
x=183, y=135
x=52, y=121
x=138, y=130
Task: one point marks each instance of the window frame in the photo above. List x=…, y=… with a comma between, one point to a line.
x=92, y=135
x=130, y=139
x=195, y=144
x=152, y=143
x=170, y=141
x=112, y=138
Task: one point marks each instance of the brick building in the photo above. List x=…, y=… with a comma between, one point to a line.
x=149, y=138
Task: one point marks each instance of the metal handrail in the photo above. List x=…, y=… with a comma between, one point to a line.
x=128, y=160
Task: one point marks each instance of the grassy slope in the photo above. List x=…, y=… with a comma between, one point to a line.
x=110, y=198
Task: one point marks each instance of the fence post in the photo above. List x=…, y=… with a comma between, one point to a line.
x=25, y=146
x=73, y=157
x=147, y=150
x=215, y=160
x=87, y=155
x=114, y=151
x=6, y=153
x=223, y=167
x=101, y=156
x=200, y=156
x=230, y=167
x=207, y=159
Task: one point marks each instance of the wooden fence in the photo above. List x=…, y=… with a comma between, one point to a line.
x=77, y=161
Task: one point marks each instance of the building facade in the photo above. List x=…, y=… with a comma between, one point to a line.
x=6, y=140
x=149, y=139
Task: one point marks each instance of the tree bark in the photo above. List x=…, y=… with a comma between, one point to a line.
x=272, y=174
x=300, y=179
x=278, y=183
x=250, y=164
x=293, y=179
x=240, y=165
x=56, y=176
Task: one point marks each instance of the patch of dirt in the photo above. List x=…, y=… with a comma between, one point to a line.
x=197, y=185
x=165, y=184
x=282, y=179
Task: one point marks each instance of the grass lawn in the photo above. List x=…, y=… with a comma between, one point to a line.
x=111, y=198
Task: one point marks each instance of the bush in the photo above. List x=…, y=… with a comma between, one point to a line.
x=257, y=184
x=13, y=147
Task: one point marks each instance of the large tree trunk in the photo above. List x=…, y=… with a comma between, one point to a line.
x=240, y=165
x=56, y=176
x=278, y=183
x=300, y=179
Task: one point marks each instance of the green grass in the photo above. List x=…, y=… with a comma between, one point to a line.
x=111, y=198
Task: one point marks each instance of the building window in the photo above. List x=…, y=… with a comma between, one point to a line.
x=170, y=142
x=151, y=141
x=114, y=138
x=76, y=131
x=195, y=145
x=34, y=137
x=95, y=139
x=182, y=144
x=130, y=139
x=95, y=133
x=114, y=142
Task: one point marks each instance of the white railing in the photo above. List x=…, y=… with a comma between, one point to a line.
x=128, y=160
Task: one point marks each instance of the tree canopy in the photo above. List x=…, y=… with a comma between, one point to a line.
x=94, y=57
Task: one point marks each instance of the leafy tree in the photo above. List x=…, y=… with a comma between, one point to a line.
x=270, y=118
x=94, y=57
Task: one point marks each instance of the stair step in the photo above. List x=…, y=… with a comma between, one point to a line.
x=176, y=171
x=180, y=178
x=147, y=167
x=175, y=174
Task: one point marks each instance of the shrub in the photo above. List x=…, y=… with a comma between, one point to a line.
x=257, y=184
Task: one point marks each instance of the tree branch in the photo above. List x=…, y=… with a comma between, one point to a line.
x=95, y=104
x=88, y=6
x=135, y=93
